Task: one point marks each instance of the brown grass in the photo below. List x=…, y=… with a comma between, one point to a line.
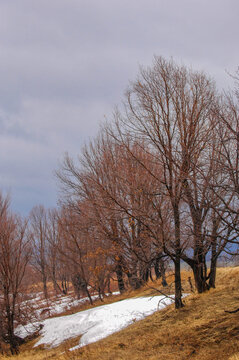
x=202, y=330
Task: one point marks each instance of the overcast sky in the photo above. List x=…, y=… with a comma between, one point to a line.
x=64, y=64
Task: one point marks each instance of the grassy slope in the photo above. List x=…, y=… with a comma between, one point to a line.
x=201, y=330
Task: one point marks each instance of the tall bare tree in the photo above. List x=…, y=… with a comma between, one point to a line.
x=38, y=233
x=170, y=108
x=228, y=181
x=15, y=253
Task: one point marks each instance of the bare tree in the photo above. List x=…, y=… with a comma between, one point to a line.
x=154, y=180
x=75, y=249
x=170, y=108
x=228, y=181
x=15, y=253
x=52, y=235
x=118, y=191
x=38, y=233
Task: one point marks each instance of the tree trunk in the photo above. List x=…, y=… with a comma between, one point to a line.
x=88, y=294
x=144, y=273
x=108, y=285
x=14, y=348
x=134, y=281
x=159, y=269
x=119, y=274
x=64, y=285
x=213, y=268
x=212, y=276
x=55, y=285
x=44, y=280
x=177, y=263
x=200, y=271
x=156, y=267
x=197, y=272
x=178, y=287
x=162, y=271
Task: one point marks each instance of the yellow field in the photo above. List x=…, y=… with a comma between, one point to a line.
x=201, y=330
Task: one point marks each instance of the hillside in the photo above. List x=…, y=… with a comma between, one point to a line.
x=201, y=330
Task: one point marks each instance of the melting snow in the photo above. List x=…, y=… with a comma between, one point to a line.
x=42, y=308
x=96, y=323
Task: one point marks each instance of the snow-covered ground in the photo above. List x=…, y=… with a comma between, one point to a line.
x=96, y=323
x=42, y=308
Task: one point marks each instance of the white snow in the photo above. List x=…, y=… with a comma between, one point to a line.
x=96, y=323
x=42, y=308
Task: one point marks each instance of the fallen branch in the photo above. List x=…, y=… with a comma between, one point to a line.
x=161, y=292
x=232, y=312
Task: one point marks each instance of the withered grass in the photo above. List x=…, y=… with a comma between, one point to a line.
x=201, y=330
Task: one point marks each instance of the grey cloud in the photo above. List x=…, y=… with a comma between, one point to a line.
x=64, y=64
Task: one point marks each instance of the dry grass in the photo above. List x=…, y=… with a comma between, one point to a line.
x=234, y=357
x=202, y=330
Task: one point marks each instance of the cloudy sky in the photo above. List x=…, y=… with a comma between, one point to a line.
x=64, y=64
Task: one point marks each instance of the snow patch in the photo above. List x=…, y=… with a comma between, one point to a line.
x=97, y=323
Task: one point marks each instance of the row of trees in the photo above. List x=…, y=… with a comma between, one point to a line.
x=59, y=247
x=159, y=184
x=56, y=248
x=161, y=180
